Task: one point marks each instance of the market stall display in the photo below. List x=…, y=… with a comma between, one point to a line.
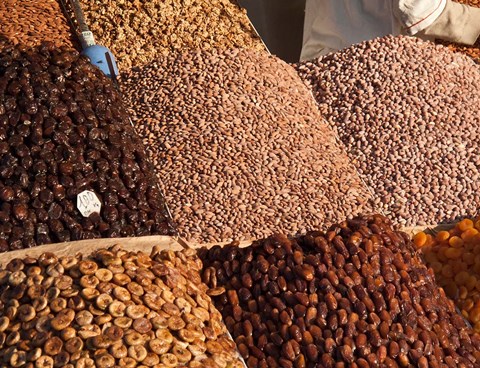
x=239, y=146
x=113, y=308
x=64, y=131
x=407, y=111
x=454, y=255
x=357, y=295
x=31, y=22
x=138, y=32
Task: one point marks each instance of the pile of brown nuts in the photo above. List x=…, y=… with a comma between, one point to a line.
x=31, y=22
x=356, y=296
x=138, y=31
x=64, y=130
x=407, y=112
x=113, y=309
x=237, y=142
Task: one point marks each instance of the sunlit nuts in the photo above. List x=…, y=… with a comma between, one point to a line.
x=89, y=331
x=53, y=346
x=121, y=294
x=114, y=333
x=84, y=318
x=142, y=325
x=123, y=322
x=133, y=338
x=16, y=278
x=89, y=281
x=201, y=313
x=12, y=338
x=104, y=361
x=136, y=311
x=169, y=360
x=117, y=308
x=197, y=348
x=62, y=319
x=176, y=323
x=100, y=341
x=137, y=352
x=152, y=301
x=89, y=293
x=103, y=301
x=135, y=289
x=118, y=350
x=44, y=361
x=104, y=275
x=4, y=322
x=34, y=354
x=87, y=267
x=74, y=345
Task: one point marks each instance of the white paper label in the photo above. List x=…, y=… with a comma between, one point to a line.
x=88, y=203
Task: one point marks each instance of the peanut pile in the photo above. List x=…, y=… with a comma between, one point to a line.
x=31, y=22
x=356, y=296
x=407, y=112
x=454, y=255
x=239, y=146
x=138, y=32
x=113, y=309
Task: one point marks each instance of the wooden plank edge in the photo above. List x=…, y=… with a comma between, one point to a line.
x=87, y=247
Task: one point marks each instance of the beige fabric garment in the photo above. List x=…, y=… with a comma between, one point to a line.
x=335, y=24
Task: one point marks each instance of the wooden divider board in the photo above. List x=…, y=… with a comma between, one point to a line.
x=86, y=247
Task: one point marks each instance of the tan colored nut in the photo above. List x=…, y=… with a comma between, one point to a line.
x=121, y=294
x=127, y=362
x=84, y=318
x=169, y=360
x=18, y=359
x=133, y=338
x=44, y=362
x=213, y=347
x=33, y=271
x=137, y=352
x=164, y=335
x=70, y=292
x=197, y=347
x=12, y=338
x=195, y=364
x=117, y=308
x=123, y=322
x=68, y=333
x=201, y=313
x=34, y=354
x=89, y=331
x=48, y=283
x=114, y=333
x=53, y=346
x=11, y=313
x=105, y=361
x=58, y=304
x=103, y=301
x=159, y=346
x=55, y=270
x=43, y=324
x=135, y=289
x=168, y=296
x=95, y=311
x=52, y=291
x=101, y=320
x=106, y=288
x=183, y=305
x=89, y=281
x=189, y=318
x=40, y=303
x=87, y=267
x=171, y=309
x=121, y=279
x=175, y=323
x=85, y=362
x=142, y=325
x=159, y=322
x=182, y=354
x=35, y=291
x=76, y=303
x=186, y=335
x=216, y=291
x=151, y=360
x=118, y=350
x=4, y=322
x=116, y=269
x=104, y=275
x=35, y=280
x=63, y=319
x=75, y=344
x=64, y=282
x=136, y=311
x=152, y=301
x=68, y=262
x=16, y=278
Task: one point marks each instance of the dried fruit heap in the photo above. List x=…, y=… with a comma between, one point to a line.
x=356, y=296
x=454, y=255
x=115, y=309
x=63, y=130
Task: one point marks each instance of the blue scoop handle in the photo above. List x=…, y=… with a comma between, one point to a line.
x=98, y=56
